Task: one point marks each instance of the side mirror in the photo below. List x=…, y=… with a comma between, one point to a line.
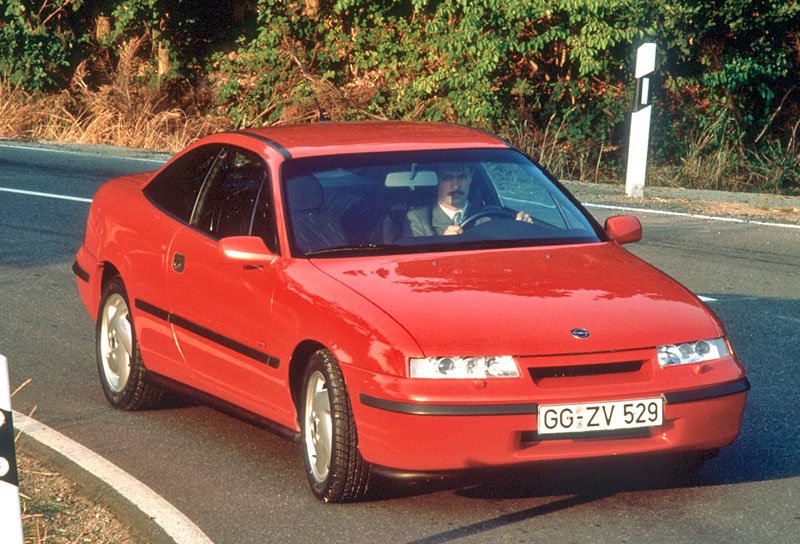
x=623, y=229
x=245, y=250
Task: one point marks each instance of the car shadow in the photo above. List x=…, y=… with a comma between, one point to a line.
x=587, y=478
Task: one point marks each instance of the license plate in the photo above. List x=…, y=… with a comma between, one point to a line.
x=600, y=416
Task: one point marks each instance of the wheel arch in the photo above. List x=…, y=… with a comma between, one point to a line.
x=109, y=271
x=297, y=364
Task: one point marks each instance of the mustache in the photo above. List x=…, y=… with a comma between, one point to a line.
x=455, y=193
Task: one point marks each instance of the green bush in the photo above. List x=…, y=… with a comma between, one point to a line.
x=34, y=45
x=553, y=75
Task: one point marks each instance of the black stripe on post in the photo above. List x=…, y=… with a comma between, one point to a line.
x=7, y=453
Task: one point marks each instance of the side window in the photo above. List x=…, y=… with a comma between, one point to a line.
x=227, y=202
x=175, y=189
x=264, y=219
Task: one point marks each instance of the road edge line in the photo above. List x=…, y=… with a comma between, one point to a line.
x=153, y=508
x=722, y=218
x=46, y=195
x=47, y=147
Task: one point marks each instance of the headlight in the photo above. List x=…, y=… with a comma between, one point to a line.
x=464, y=367
x=692, y=352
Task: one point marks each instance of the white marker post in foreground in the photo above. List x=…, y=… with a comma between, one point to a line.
x=640, y=121
x=10, y=513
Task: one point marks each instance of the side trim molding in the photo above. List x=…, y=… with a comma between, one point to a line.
x=425, y=409
x=714, y=391
x=208, y=334
x=80, y=272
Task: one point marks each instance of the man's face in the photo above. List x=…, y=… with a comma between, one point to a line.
x=454, y=182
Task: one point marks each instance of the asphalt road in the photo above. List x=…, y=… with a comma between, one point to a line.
x=244, y=485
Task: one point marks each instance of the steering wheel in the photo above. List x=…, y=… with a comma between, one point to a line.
x=489, y=211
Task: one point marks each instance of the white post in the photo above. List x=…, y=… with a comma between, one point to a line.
x=640, y=122
x=10, y=513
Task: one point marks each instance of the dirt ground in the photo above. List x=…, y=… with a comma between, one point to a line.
x=54, y=511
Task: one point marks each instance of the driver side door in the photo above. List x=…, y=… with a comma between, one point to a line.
x=222, y=311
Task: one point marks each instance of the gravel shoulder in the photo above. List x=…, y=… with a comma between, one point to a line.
x=745, y=206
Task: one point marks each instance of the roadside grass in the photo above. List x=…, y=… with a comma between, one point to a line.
x=113, y=102
x=123, y=110
x=713, y=157
x=54, y=511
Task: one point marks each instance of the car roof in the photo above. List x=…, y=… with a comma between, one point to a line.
x=371, y=136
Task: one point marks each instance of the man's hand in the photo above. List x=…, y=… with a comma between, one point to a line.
x=522, y=216
x=453, y=229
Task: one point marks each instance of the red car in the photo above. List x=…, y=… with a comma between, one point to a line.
x=405, y=297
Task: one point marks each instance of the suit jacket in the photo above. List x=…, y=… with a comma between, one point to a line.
x=431, y=220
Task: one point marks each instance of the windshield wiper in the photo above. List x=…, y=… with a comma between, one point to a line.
x=358, y=248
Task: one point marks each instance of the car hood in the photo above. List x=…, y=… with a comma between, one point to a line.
x=527, y=301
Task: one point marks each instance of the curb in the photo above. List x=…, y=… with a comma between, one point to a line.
x=140, y=525
x=766, y=200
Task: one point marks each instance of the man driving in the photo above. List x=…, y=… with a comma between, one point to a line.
x=452, y=205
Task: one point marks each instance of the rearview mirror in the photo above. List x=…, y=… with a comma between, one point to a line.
x=623, y=229
x=245, y=250
x=411, y=179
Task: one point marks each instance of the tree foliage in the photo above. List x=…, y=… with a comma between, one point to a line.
x=556, y=73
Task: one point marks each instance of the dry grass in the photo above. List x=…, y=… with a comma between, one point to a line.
x=17, y=110
x=55, y=512
x=566, y=159
x=115, y=103
x=123, y=111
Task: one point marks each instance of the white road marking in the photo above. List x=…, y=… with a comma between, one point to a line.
x=46, y=195
x=82, y=153
x=694, y=216
x=787, y=318
x=727, y=299
x=179, y=527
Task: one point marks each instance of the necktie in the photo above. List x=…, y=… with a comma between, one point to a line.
x=457, y=218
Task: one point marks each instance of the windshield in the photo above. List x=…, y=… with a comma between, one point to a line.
x=423, y=201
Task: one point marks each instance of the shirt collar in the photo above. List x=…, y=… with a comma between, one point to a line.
x=451, y=213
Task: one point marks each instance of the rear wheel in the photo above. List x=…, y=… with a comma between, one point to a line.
x=334, y=466
x=119, y=362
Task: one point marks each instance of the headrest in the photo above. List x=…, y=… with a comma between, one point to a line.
x=305, y=194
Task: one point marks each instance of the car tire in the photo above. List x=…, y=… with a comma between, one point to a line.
x=119, y=360
x=334, y=466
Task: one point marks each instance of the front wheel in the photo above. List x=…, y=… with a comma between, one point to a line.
x=119, y=361
x=334, y=466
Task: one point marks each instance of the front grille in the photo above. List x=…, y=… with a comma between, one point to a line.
x=584, y=370
x=590, y=374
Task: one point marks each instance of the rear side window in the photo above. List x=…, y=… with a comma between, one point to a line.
x=175, y=189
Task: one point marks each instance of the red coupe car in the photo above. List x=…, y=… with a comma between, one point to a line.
x=404, y=297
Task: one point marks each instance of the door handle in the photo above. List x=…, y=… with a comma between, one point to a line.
x=178, y=263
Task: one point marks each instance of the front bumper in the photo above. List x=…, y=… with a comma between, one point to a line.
x=410, y=425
